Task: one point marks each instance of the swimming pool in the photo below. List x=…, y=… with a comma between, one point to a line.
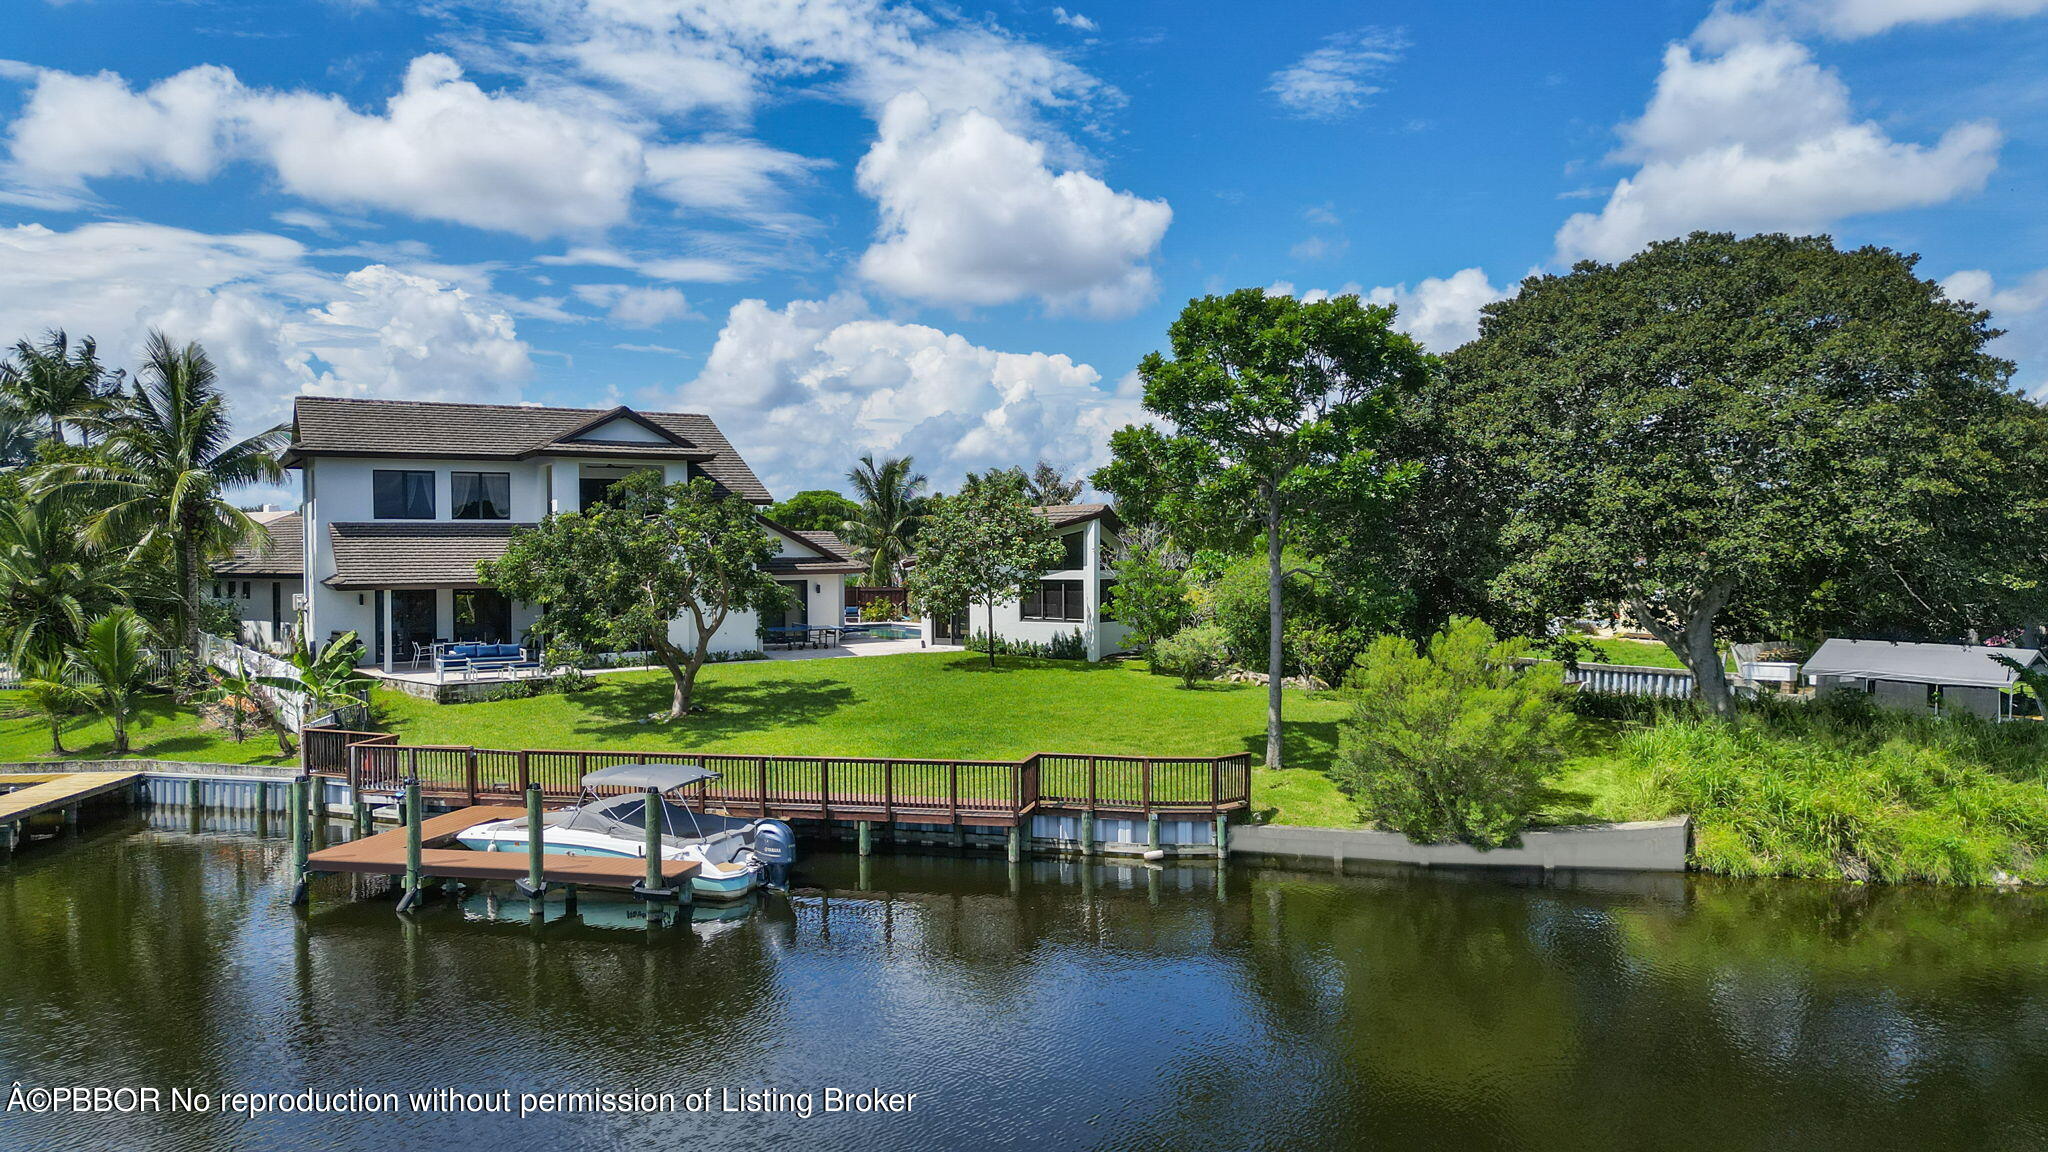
x=887, y=631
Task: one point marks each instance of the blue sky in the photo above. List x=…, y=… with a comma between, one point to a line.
x=845, y=226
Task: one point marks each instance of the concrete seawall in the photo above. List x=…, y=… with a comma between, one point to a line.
x=1645, y=846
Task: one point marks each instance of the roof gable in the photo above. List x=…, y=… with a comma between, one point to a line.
x=621, y=425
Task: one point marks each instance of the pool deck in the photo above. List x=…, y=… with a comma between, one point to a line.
x=852, y=646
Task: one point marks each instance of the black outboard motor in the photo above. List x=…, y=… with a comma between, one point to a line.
x=775, y=847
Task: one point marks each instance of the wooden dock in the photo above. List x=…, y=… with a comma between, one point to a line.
x=61, y=792
x=384, y=855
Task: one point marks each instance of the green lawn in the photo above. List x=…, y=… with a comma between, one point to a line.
x=940, y=706
x=164, y=731
x=1641, y=653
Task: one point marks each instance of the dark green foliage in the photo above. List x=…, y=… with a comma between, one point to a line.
x=893, y=507
x=1454, y=742
x=1764, y=436
x=815, y=510
x=1326, y=625
x=1151, y=593
x=1063, y=646
x=615, y=576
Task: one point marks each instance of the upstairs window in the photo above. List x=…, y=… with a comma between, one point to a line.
x=402, y=495
x=480, y=495
x=1075, y=545
x=1055, y=600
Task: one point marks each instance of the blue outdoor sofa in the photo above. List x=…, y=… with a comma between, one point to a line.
x=469, y=659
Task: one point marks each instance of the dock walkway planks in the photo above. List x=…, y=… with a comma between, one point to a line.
x=61, y=791
x=384, y=855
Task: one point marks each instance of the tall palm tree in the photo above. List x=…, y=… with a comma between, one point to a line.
x=167, y=461
x=55, y=381
x=50, y=583
x=891, y=499
x=116, y=659
x=17, y=436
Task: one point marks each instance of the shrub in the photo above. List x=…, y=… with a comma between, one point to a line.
x=1064, y=646
x=877, y=611
x=1455, y=741
x=1192, y=654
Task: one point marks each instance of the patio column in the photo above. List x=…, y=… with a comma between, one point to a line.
x=389, y=642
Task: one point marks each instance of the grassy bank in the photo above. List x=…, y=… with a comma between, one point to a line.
x=1834, y=792
x=162, y=731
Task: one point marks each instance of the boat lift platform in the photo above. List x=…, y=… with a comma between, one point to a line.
x=384, y=854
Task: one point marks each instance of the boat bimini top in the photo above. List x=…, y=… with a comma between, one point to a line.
x=660, y=777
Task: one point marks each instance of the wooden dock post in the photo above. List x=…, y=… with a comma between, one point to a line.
x=651, y=889
x=361, y=811
x=1222, y=835
x=262, y=800
x=867, y=834
x=301, y=834
x=9, y=833
x=413, y=818
x=1015, y=851
x=71, y=817
x=192, y=793
x=1087, y=831
x=536, y=884
x=1151, y=831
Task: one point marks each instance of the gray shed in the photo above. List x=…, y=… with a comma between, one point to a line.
x=1948, y=677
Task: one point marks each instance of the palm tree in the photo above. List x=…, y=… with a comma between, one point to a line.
x=17, y=436
x=239, y=691
x=891, y=499
x=50, y=584
x=55, y=381
x=328, y=679
x=166, y=463
x=115, y=657
x=1048, y=485
x=42, y=690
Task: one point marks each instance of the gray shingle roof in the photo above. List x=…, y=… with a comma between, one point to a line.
x=350, y=426
x=381, y=555
x=282, y=554
x=1969, y=665
x=1063, y=515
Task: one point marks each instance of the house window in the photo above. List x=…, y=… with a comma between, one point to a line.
x=480, y=495
x=1055, y=600
x=402, y=495
x=1075, y=544
x=245, y=589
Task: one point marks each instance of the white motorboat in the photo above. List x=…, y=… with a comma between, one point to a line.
x=733, y=854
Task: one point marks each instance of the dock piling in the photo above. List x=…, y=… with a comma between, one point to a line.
x=1087, y=831
x=536, y=884
x=413, y=817
x=71, y=818
x=192, y=793
x=301, y=837
x=361, y=811
x=867, y=833
x=651, y=889
x=1222, y=835
x=1152, y=832
x=1015, y=851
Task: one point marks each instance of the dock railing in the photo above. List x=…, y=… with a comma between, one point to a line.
x=808, y=787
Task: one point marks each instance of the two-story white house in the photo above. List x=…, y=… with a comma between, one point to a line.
x=400, y=500
x=1073, y=597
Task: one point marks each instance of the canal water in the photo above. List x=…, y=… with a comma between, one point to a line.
x=1049, y=1006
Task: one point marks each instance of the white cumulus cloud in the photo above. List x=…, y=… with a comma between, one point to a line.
x=1848, y=19
x=780, y=377
x=971, y=213
x=1761, y=138
x=273, y=323
x=1440, y=311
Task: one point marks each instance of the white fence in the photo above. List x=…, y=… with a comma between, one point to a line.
x=1632, y=680
x=161, y=662
x=292, y=709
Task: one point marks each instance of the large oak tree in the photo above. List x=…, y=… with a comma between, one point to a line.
x=1765, y=434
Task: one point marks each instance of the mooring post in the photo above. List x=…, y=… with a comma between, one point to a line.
x=536, y=844
x=1016, y=848
x=263, y=798
x=1151, y=831
x=652, y=888
x=866, y=836
x=7, y=835
x=192, y=793
x=1222, y=835
x=413, y=819
x=71, y=817
x=1087, y=831
x=301, y=834
x=361, y=811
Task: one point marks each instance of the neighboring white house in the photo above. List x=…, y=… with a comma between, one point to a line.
x=1071, y=598
x=402, y=499
x=263, y=583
